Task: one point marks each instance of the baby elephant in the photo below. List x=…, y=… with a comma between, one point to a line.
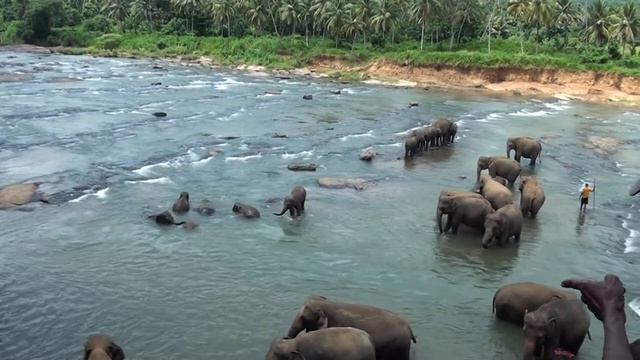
x=502, y=225
x=294, y=202
x=181, y=206
x=102, y=347
x=511, y=302
x=245, y=210
x=165, y=218
x=339, y=343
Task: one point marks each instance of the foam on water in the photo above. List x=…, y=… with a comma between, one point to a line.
x=243, y=158
x=229, y=117
x=559, y=105
x=227, y=83
x=202, y=161
x=147, y=169
x=635, y=306
x=100, y=194
x=399, y=144
x=632, y=242
x=403, y=133
x=161, y=180
x=303, y=154
x=526, y=113
x=367, y=134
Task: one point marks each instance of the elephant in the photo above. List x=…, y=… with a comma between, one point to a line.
x=468, y=210
x=165, y=218
x=432, y=136
x=205, y=208
x=502, y=225
x=181, y=205
x=497, y=194
x=343, y=343
x=419, y=134
x=20, y=194
x=558, y=324
x=391, y=334
x=635, y=189
x=499, y=166
x=294, y=202
x=527, y=147
x=501, y=180
x=247, y=211
x=446, y=194
x=102, y=347
x=411, y=145
x=511, y=302
x=532, y=197
x=445, y=126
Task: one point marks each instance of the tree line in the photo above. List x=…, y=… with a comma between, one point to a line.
x=445, y=23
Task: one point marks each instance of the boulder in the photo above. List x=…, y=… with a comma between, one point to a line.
x=279, y=136
x=157, y=67
x=342, y=183
x=368, y=154
x=307, y=97
x=602, y=145
x=302, y=167
x=413, y=104
x=159, y=114
x=336, y=92
x=156, y=84
x=16, y=195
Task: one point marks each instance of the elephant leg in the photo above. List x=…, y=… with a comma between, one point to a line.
x=449, y=223
x=533, y=161
x=504, y=238
x=455, y=223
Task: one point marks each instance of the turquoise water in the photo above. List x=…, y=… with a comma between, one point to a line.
x=93, y=263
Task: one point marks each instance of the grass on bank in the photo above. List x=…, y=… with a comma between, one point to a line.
x=292, y=52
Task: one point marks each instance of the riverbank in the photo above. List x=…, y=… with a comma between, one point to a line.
x=585, y=85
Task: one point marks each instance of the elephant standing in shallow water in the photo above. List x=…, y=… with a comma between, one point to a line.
x=532, y=197
x=502, y=225
x=294, y=202
x=497, y=194
x=499, y=166
x=466, y=210
x=343, y=343
x=411, y=147
x=527, y=147
x=391, y=334
x=446, y=196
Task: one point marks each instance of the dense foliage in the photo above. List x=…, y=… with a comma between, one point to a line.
x=588, y=32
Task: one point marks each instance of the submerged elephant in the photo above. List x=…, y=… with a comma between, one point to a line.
x=181, y=205
x=497, y=194
x=294, y=203
x=21, y=194
x=165, y=218
x=532, y=197
x=247, y=211
x=343, y=343
x=102, y=347
x=499, y=166
x=391, y=334
x=511, y=302
x=502, y=225
x=411, y=147
x=558, y=324
x=466, y=210
x=205, y=208
x=445, y=195
x=527, y=147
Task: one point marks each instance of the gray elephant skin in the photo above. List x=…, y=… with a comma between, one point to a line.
x=294, y=203
x=432, y=136
x=532, y=197
x=502, y=225
x=466, y=210
x=445, y=196
x=411, y=146
x=337, y=343
x=246, y=211
x=511, y=302
x=447, y=128
x=526, y=147
x=558, y=324
x=102, y=347
x=497, y=194
x=499, y=166
x=181, y=205
x=391, y=334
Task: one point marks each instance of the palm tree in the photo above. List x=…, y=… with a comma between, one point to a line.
x=305, y=13
x=519, y=9
x=539, y=15
x=142, y=10
x=353, y=25
x=565, y=16
x=223, y=11
x=256, y=13
x=319, y=10
x=335, y=16
x=189, y=8
x=364, y=10
x=422, y=11
x=627, y=26
x=289, y=13
x=598, y=22
x=385, y=17
x=117, y=10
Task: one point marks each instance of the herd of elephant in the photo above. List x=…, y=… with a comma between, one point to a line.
x=555, y=323
x=440, y=133
x=491, y=209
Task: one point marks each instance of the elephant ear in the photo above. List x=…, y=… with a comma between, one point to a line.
x=322, y=320
x=295, y=355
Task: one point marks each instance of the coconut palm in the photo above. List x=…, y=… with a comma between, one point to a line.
x=539, y=15
x=364, y=10
x=353, y=25
x=257, y=13
x=117, y=10
x=627, y=25
x=306, y=14
x=290, y=13
x=386, y=17
x=319, y=10
x=223, y=11
x=336, y=15
x=143, y=10
x=519, y=9
x=565, y=17
x=598, y=23
x=189, y=8
x=422, y=11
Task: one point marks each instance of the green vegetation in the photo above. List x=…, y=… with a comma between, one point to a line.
x=556, y=34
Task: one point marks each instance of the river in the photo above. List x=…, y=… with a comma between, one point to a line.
x=93, y=263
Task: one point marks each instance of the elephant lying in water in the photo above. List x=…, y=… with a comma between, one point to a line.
x=558, y=324
x=294, y=203
x=102, y=347
x=391, y=333
x=343, y=343
x=511, y=302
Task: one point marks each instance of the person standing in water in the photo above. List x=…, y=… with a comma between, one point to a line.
x=584, y=196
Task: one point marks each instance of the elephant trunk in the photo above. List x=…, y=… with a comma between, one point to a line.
x=487, y=238
x=296, y=327
x=284, y=210
x=531, y=347
x=478, y=174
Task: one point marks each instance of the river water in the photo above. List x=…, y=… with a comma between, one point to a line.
x=93, y=263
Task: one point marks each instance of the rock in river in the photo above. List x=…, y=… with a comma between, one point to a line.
x=16, y=195
x=342, y=183
x=302, y=167
x=307, y=97
x=368, y=154
x=160, y=114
